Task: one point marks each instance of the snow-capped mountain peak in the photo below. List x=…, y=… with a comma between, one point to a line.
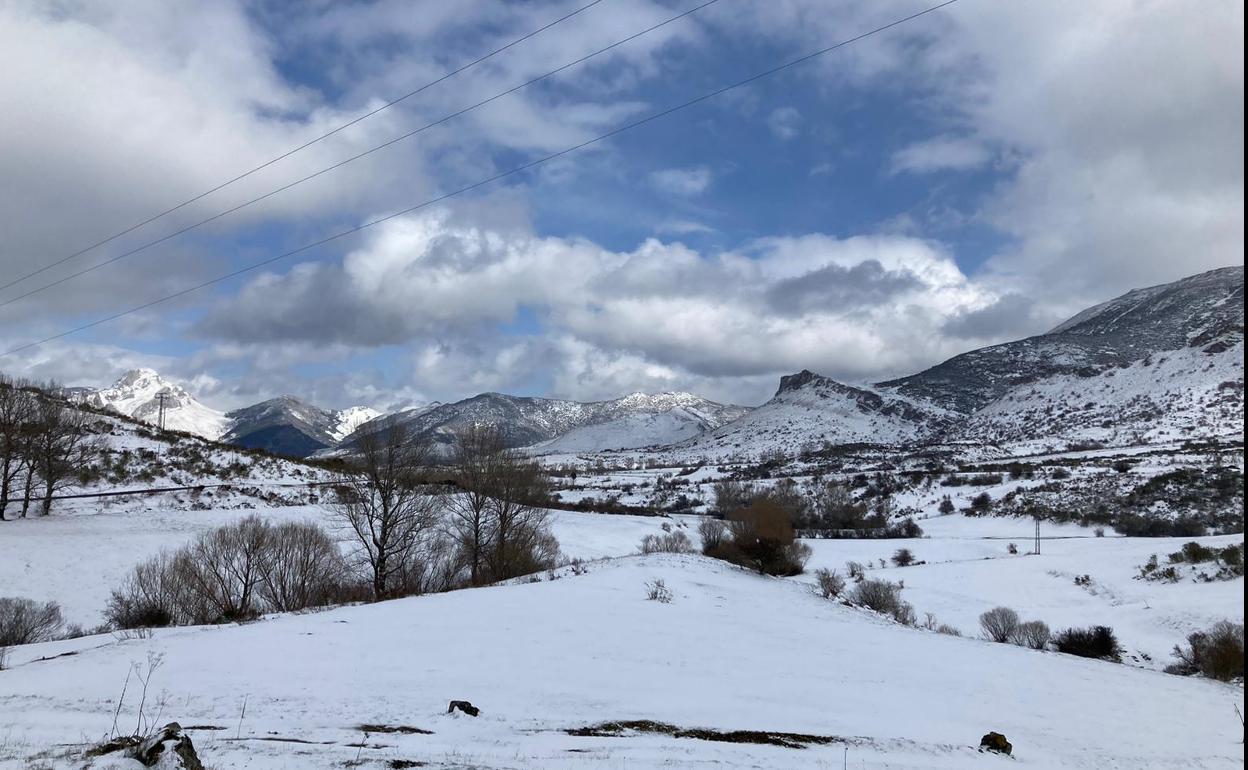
x=138, y=392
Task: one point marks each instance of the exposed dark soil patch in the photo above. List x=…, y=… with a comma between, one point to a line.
x=762, y=737
x=280, y=739
x=203, y=727
x=402, y=764
x=400, y=729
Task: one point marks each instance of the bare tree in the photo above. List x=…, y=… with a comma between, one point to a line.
x=477, y=452
x=17, y=408
x=387, y=509
x=58, y=446
x=521, y=541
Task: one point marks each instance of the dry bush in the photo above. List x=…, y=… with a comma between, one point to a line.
x=301, y=567
x=667, y=542
x=879, y=595
x=1217, y=653
x=23, y=621
x=712, y=533
x=830, y=584
x=658, y=592
x=999, y=624
x=763, y=539
x=903, y=557
x=1093, y=642
x=1034, y=634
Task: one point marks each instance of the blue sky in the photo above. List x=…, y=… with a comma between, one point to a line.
x=972, y=176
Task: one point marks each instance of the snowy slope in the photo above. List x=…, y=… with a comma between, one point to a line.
x=290, y=426
x=347, y=421
x=809, y=411
x=632, y=431
x=733, y=651
x=136, y=394
x=1181, y=394
x=525, y=421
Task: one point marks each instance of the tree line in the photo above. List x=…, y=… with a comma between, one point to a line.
x=46, y=444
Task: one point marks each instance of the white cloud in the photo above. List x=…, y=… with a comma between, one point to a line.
x=682, y=181
x=784, y=122
x=859, y=308
x=942, y=153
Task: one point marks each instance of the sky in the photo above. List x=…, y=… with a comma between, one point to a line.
x=971, y=176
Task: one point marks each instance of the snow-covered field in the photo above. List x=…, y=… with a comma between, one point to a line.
x=733, y=651
x=77, y=559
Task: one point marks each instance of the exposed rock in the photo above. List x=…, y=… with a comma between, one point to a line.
x=995, y=742
x=464, y=706
x=170, y=749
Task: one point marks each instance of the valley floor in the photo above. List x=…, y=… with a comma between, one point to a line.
x=733, y=651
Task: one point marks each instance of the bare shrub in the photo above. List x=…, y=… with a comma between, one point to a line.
x=999, y=624
x=830, y=584
x=1217, y=653
x=879, y=595
x=152, y=595
x=712, y=533
x=763, y=539
x=1034, y=634
x=658, y=591
x=667, y=542
x=903, y=557
x=856, y=570
x=222, y=568
x=1093, y=642
x=23, y=621
x=300, y=567
x=948, y=630
x=1012, y=549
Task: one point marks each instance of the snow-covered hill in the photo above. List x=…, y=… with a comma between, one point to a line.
x=732, y=651
x=526, y=421
x=137, y=394
x=810, y=411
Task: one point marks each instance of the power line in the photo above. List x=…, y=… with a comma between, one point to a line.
x=306, y=144
x=515, y=170
x=356, y=157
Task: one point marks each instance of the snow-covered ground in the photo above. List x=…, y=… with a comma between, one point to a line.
x=733, y=651
x=78, y=558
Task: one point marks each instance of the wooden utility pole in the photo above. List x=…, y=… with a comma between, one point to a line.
x=1037, y=547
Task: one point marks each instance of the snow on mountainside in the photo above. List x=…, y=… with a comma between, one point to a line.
x=348, y=421
x=137, y=393
x=1196, y=311
x=810, y=410
x=1157, y=364
x=287, y=425
x=633, y=431
x=525, y=421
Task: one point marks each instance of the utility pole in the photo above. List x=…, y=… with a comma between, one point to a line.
x=1037, y=547
x=160, y=415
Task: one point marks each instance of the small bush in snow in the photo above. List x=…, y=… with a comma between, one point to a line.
x=23, y=621
x=668, y=542
x=1217, y=653
x=830, y=584
x=1034, y=634
x=856, y=570
x=883, y=597
x=658, y=592
x=999, y=624
x=946, y=505
x=948, y=630
x=1093, y=642
x=904, y=557
x=1012, y=549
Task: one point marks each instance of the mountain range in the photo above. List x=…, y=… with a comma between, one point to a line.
x=1160, y=363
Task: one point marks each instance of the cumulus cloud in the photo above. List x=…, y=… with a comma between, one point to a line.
x=859, y=308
